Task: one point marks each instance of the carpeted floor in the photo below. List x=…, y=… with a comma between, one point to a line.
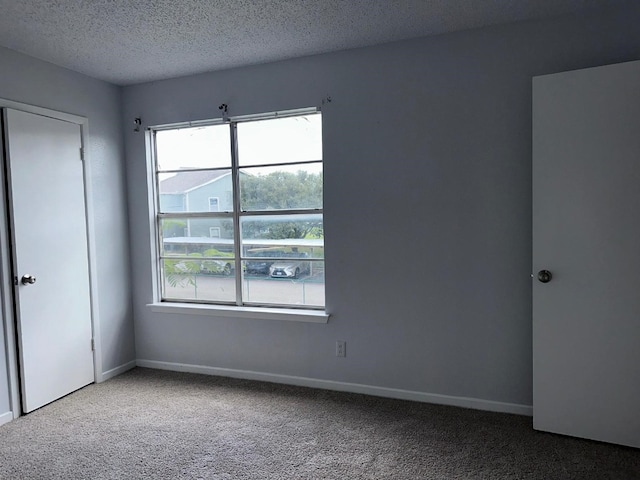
x=150, y=424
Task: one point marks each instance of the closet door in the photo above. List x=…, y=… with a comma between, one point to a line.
x=50, y=256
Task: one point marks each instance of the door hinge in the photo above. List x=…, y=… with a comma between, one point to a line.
x=81, y=153
x=93, y=345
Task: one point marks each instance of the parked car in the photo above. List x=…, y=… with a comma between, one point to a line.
x=261, y=267
x=216, y=267
x=289, y=268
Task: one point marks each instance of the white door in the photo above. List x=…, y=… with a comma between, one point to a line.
x=47, y=210
x=586, y=232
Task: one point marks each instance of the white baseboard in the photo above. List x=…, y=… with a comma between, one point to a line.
x=6, y=418
x=463, y=402
x=117, y=371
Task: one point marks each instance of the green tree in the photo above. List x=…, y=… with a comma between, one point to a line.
x=182, y=273
x=282, y=190
x=173, y=228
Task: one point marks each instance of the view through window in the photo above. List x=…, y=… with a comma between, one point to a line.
x=239, y=212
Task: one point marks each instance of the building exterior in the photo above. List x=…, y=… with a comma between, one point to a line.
x=194, y=192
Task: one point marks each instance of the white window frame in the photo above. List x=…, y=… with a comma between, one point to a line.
x=216, y=230
x=198, y=307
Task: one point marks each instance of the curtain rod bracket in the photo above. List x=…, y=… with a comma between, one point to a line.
x=225, y=112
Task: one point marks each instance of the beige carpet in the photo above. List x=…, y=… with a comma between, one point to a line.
x=149, y=424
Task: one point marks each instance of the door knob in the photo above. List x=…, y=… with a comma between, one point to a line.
x=544, y=276
x=28, y=279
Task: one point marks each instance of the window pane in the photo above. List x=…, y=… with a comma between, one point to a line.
x=271, y=250
x=280, y=140
x=200, y=191
x=306, y=290
x=296, y=235
x=198, y=280
x=197, y=236
x=281, y=261
x=281, y=187
x=193, y=147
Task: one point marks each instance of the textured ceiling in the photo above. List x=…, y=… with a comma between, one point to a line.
x=132, y=41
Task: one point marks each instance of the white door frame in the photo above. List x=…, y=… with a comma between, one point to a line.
x=6, y=276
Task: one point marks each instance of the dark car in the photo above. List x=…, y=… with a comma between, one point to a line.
x=261, y=267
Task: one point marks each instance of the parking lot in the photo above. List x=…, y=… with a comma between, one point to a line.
x=305, y=291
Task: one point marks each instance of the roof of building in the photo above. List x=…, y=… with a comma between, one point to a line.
x=263, y=242
x=183, y=182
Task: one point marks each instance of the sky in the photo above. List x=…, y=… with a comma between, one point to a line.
x=281, y=140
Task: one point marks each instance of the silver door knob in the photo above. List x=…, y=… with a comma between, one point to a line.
x=544, y=276
x=28, y=279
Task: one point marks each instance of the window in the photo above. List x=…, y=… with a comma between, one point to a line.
x=262, y=246
x=214, y=204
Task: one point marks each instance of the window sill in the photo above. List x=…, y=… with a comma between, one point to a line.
x=286, y=314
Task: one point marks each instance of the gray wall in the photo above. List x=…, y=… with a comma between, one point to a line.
x=25, y=79
x=427, y=156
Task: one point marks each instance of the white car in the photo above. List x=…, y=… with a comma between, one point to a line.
x=288, y=269
x=216, y=267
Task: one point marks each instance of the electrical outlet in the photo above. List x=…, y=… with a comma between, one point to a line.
x=341, y=348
